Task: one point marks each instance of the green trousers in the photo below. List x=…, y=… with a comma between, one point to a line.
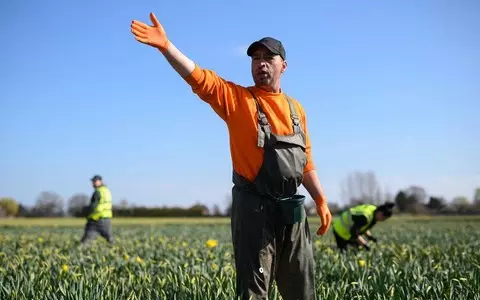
x=266, y=249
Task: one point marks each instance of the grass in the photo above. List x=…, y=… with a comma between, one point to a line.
x=416, y=257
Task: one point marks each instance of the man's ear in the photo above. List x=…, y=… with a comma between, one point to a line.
x=284, y=66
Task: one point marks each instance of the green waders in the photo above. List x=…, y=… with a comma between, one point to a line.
x=270, y=231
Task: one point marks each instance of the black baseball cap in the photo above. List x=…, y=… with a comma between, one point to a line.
x=386, y=208
x=274, y=45
x=96, y=177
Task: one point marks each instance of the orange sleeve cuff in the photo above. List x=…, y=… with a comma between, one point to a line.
x=310, y=166
x=195, y=77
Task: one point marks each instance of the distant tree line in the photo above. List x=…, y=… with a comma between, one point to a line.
x=363, y=187
x=50, y=204
x=358, y=187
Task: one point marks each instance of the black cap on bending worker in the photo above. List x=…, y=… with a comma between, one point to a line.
x=384, y=211
x=272, y=44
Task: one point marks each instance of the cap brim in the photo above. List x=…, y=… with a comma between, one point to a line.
x=256, y=45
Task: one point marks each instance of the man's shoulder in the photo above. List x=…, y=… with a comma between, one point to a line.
x=245, y=88
x=298, y=105
x=105, y=189
x=294, y=100
x=198, y=71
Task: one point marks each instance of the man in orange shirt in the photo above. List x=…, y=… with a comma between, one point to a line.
x=271, y=157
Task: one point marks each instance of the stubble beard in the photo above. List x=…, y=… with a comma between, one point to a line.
x=263, y=81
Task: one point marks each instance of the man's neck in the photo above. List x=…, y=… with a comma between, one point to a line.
x=271, y=89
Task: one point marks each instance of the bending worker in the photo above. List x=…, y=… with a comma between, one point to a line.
x=349, y=227
x=271, y=157
x=99, y=216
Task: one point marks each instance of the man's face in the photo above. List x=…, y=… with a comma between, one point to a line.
x=380, y=216
x=96, y=183
x=267, y=67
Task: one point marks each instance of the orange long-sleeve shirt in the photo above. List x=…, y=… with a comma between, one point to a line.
x=236, y=106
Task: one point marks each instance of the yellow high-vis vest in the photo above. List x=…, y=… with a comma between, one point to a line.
x=344, y=223
x=104, y=207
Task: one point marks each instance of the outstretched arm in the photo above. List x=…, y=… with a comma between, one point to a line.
x=210, y=87
x=155, y=36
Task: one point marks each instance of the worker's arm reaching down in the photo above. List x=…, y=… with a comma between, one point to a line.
x=360, y=221
x=370, y=237
x=362, y=242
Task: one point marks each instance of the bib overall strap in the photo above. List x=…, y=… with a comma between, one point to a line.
x=262, y=124
x=293, y=115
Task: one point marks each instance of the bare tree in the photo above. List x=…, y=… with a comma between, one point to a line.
x=344, y=194
x=388, y=196
x=418, y=193
x=228, y=202
x=123, y=204
x=77, y=204
x=370, y=186
x=378, y=198
x=216, y=210
x=460, y=203
x=352, y=190
x=476, y=197
x=48, y=204
x=361, y=187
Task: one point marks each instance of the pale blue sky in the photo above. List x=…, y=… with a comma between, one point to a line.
x=388, y=86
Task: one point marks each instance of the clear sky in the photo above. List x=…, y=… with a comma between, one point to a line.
x=388, y=86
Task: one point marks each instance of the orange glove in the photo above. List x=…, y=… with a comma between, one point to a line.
x=151, y=35
x=325, y=218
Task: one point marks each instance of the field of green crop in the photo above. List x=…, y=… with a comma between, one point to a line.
x=416, y=258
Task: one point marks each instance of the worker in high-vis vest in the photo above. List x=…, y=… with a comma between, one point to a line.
x=350, y=226
x=99, y=213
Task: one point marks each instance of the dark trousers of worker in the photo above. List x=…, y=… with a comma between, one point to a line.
x=266, y=249
x=103, y=227
x=343, y=244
